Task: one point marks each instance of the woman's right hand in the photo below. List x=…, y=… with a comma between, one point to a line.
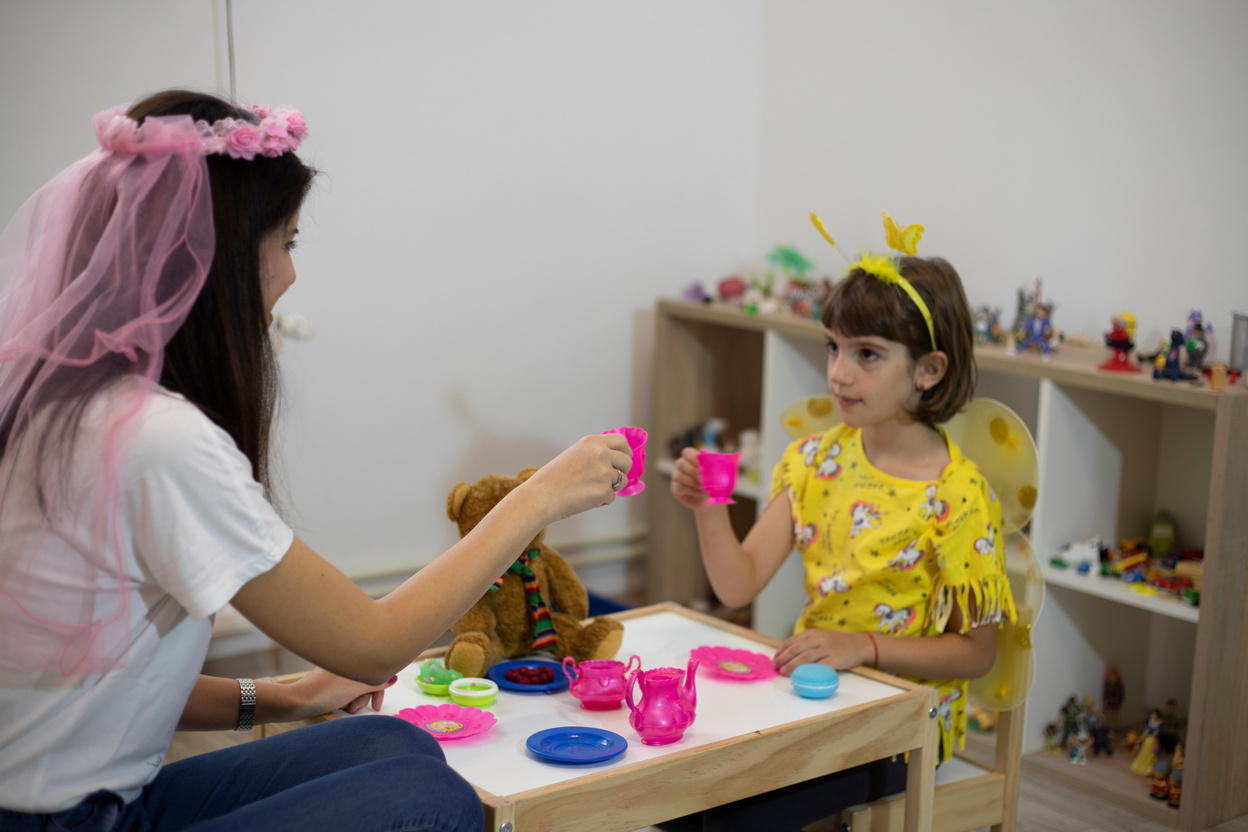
x=687, y=481
x=584, y=476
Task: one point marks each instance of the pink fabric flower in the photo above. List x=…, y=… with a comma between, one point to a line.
x=262, y=110
x=273, y=147
x=120, y=135
x=274, y=127
x=294, y=121
x=243, y=142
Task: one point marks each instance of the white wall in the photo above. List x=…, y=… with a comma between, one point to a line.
x=1100, y=145
x=507, y=189
x=508, y=186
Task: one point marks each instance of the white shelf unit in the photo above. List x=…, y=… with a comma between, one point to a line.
x=1114, y=448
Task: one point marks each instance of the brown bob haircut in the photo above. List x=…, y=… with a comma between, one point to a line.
x=861, y=305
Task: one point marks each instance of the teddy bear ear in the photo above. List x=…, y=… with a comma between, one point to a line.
x=455, y=500
x=525, y=473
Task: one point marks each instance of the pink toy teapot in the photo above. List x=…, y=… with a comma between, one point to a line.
x=667, y=707
x=599, y=684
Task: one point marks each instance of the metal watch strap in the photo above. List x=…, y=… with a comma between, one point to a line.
x=246, y=704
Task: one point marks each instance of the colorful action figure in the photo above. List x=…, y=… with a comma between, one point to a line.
x=1121, y=339
x=1172, y=368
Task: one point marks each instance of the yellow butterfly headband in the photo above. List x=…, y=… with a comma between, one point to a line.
x=904, y=239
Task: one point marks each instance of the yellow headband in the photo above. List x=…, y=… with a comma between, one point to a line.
x=884, y=268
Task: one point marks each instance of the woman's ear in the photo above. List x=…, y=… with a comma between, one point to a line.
x=929, y=370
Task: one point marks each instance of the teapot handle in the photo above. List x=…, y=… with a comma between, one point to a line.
x=570, y=669
x=628, y=667
x=628, y=688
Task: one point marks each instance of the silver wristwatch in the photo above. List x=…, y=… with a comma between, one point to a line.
x=246, y=704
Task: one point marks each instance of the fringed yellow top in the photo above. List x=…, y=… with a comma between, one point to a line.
x=893, y=556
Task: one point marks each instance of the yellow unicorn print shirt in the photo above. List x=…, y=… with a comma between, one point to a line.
x=892, y=556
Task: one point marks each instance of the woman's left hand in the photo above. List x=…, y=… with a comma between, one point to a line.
x=840, y=651
x=320, y=692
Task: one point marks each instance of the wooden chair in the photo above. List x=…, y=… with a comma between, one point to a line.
x=987, y=799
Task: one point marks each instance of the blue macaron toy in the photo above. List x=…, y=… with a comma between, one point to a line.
x=815, y=681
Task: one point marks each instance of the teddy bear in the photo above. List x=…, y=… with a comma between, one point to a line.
x=506, y=623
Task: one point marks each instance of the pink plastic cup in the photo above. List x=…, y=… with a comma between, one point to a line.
x=719, y=476
x=637, y=441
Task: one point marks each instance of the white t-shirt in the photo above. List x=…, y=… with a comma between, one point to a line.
x=194, y=526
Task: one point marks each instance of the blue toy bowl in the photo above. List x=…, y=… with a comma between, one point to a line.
x=815, y=681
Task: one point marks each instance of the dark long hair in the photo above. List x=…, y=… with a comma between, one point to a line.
x=222, y=359
x=862, y=305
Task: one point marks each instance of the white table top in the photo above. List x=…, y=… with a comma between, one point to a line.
x=498, y=761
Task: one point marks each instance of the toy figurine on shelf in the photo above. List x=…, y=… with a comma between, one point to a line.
x=1050, y=739
x=1121, y=339
x=1176, y=777
x=1033, y=327
x=1197, y=346
x=1037, y=332
x=696, y=293
x=1111, y=696
x=1079, y=747
x=1160, y=787
x=706, y=435
x=732, y=290
x=1131, y=742
x=800, y=295
x=986, y=321
x=1200, y=331
x=1171, y=725
x=1100, y=737
x=1143, y=762
x=1069, y=720
x=1171, y=368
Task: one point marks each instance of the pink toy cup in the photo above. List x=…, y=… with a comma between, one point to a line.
x=719, y=476
x=599, y=684
x=637, y=441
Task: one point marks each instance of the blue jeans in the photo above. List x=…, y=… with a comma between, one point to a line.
x=364, y=773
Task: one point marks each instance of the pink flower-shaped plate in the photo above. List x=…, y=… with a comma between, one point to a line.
x=449, y=722
x=734, y=664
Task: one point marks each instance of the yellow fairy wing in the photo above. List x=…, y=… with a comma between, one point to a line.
x=1009, y=681
x=806, y=417
x=818, y=223
x=995, y=438
x=1007, y=684
x=902, y=238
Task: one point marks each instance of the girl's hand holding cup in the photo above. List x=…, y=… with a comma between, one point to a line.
x=687, y=480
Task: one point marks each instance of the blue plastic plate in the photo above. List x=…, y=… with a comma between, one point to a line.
x=498, y=674
x=576, y=744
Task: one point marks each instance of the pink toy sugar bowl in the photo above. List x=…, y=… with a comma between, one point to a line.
x=599, y=685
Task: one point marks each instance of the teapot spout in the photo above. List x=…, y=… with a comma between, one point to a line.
x=691, y=690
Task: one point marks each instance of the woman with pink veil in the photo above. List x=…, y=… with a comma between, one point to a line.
x=137, y=393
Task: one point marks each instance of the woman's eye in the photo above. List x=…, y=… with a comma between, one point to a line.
x=869, y=355
x=831, y=347
x=292, y=245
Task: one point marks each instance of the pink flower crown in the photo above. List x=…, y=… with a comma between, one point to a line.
x=279, y=131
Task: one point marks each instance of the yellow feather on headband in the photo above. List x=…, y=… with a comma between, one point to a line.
x=878, y=265
x=884, y=268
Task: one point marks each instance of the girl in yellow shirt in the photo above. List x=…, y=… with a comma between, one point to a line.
x=900, y=534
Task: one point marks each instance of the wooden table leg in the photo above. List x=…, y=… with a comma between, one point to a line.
x=500, y=814
x=921, y=774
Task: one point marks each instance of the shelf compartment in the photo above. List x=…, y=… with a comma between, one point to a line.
x=1107, y=778
x=1119, y=592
